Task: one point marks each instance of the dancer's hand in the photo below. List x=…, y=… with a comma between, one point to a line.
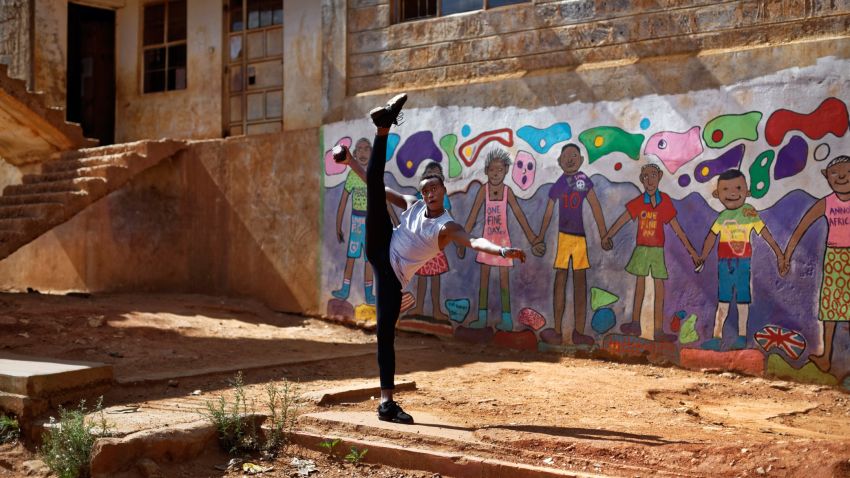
x=340, y=235
x=784, y=265
x=514, y=253
x=607, y=243
x=461, y=251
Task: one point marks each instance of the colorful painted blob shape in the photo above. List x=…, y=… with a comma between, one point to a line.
x=674, y=149
x=603, y=140
x=448, y=143
x=416, y=149
x=791, y=159
x=760, y=174
x=684, y=180
x=470, y=150
x=458, y=309
x=821, y=152
x=392, y=143
x=730, y=159
x=541, y=140
x=333, y=168
x=830, y=117
x=531, y=318
x=775, y=337
x=603, y=320
x=524, y=170
x=601, y=298
x=688, y=330
x=726, y=129
x=808, y=373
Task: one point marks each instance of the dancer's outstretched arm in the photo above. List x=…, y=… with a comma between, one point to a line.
x=454, y=232
x=394, y=197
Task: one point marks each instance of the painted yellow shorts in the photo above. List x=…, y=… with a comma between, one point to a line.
x=575, y=247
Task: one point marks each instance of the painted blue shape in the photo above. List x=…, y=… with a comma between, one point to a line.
x=458, y=309
x=465, y=130
x=846, y=383
x=681, y=314
x=541, y=140
x=392, y=143
x=417, y=148
x=603, y=320
x=644, y=123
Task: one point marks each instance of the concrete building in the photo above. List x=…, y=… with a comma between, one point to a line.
x=255, y=91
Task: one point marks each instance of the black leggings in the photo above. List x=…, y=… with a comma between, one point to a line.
x=379, y=232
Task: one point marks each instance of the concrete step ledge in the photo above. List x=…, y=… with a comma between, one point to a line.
x=352, y=393
x=188, y=441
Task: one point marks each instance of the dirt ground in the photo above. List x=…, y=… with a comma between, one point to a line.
x=173, y=353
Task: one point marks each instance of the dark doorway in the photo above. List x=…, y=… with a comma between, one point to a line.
x=91, y=71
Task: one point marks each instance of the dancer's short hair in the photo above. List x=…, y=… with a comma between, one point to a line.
x=570, y=145
x=730, y=174
x=498, y=154
x=428, y=176
x=838, y=160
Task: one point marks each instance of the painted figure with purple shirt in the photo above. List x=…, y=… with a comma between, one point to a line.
x=570, y=191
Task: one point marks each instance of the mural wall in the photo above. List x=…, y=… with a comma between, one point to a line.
x=709, y=229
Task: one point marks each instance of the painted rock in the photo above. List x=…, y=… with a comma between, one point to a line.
x=531, y=318
x=603, y=320
x=786, y=340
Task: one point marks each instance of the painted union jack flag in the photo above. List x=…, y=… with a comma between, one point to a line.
x=773, y=336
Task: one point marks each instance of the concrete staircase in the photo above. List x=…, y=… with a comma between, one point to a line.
x=68, y=183
x=31, y=129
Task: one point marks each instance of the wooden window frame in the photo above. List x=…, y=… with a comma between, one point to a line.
x=166, y=44
x=395, y=10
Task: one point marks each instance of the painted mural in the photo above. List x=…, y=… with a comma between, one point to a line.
x=708, y=229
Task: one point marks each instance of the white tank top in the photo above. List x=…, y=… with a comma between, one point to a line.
x=415, y=241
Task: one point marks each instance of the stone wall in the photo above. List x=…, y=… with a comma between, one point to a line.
x=537, y=36
x=223, y=217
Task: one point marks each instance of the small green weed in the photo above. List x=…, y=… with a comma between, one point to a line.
x=330, y=445
x=354, y=456
x=237, y=428
x=9, y=429
x=68, y=444
x=283, y=405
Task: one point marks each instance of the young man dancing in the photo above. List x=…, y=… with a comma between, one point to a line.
x=425, y=229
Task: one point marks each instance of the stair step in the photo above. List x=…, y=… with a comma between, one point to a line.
x=105, y=171
x=92, y=185
x=9, y=237
x=123, y=159
x=63, y=197
x=18, y=224
x=46, y=210
x=138, y=147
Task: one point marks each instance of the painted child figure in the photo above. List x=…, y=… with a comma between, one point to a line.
x=495, y=196
x=434, y=268
x=834, y=304
x=652, y=210
x=570, y=192
x=734, y=226
x=356, y=189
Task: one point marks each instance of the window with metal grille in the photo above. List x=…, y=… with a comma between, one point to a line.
x=406, y=10
x=164, y=46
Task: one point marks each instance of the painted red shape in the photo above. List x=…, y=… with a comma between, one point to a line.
x=717, y=135
x=618, y=166
x=830, y=117
x=504, y=136
x=476, y=336
x=524, y=340
x=629, y=347
x=531, y=318
x=750, y=362
x=431, y=327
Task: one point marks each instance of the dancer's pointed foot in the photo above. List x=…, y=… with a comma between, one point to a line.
x=390, y=114
x=822, y=362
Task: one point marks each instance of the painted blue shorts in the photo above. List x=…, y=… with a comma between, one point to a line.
x=733, y=275
x=357, y=236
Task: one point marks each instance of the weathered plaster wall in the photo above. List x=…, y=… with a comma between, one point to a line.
x=50, y=58
x=191, y=113
x=223, y=217
x=619, y=114
x=302, y=74
x=15, y=45
x=540, y=35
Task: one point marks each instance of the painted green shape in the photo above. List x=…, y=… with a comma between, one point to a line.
x=760, y=174
x=809, y=373
x=688, y=333
x=600, y=298
x=448, y=143
x=726, y=129
x=604, y=140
